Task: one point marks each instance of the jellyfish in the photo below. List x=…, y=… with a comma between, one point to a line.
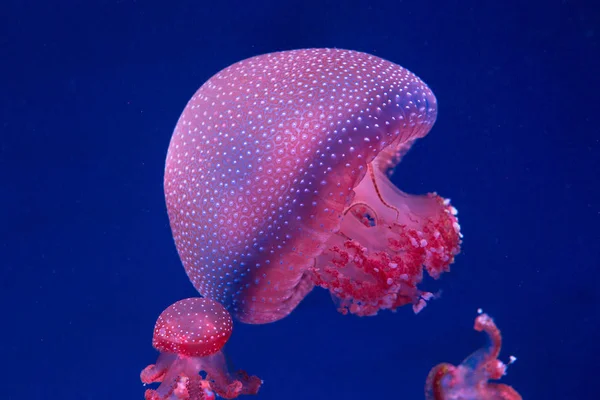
x=190, y=335
x=470, y=380
x=277, y=181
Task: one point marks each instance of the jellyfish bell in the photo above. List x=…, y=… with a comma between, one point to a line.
x=275, y=181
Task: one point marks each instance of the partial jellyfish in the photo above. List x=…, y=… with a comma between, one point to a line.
x=190, y=335
x=276, y=180
x=470, y=379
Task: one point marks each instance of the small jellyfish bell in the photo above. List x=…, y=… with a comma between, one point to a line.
x=190, y=335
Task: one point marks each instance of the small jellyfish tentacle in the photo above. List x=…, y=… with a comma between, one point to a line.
x=440, y=377
x=199, y=388
x=471, y=379
x=484, y=323
x=229, y=385
x=151, y=374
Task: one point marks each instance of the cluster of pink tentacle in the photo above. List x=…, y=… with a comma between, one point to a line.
x=184, y=388
x=192, y=386
x=366, y=281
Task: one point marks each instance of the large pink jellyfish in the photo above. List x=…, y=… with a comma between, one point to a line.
x=470, y=380
x=275, y=181
x=190, y=335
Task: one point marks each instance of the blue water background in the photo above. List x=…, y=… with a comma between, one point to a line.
x=91, y=91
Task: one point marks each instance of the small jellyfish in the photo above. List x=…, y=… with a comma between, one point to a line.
x=470, y=379
x=190, y=336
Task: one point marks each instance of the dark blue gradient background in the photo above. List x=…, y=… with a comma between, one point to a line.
x=91, y=91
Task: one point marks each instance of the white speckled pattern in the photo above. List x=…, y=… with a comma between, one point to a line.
x=263, y=160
